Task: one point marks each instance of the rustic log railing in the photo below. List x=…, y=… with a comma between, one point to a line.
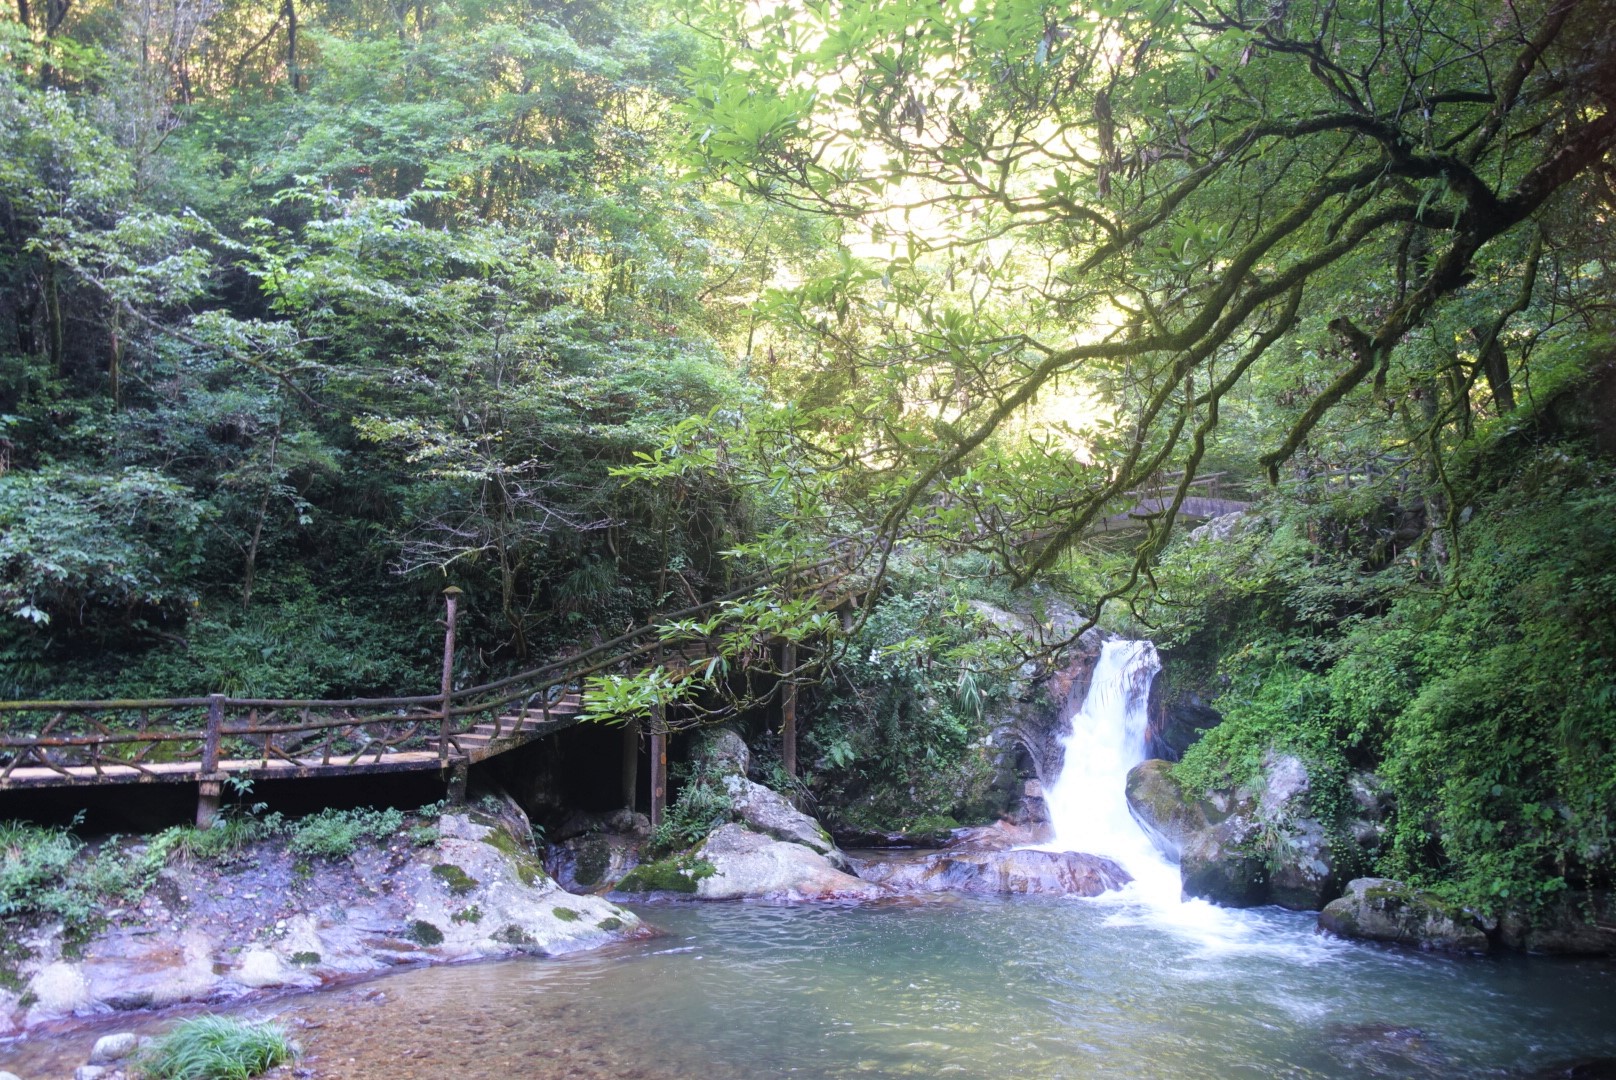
x=207, y=739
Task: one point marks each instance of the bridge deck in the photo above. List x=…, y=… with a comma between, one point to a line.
x=473, y=746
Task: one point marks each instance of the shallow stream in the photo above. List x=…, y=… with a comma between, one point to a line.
x=970, y=988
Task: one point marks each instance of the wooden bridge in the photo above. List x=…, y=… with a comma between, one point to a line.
x=1152, y=501
x=207, y=740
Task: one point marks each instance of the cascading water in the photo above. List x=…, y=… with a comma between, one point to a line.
x=1088, y=807
x=1087, y=804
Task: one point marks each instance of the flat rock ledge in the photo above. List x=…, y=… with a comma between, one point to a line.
x=1003, y=873
x=273, y=920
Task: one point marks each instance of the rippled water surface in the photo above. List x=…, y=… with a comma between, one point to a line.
x=971, y=988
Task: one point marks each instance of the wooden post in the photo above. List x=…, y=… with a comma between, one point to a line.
x=659, y=766
x=631, y=764
x=451, y=596
x=788, y=708
x=210, y=789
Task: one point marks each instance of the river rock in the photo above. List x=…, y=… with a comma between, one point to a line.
x=1380, y=909
x=1574, y=924
x=766, y=811
x=274, y=919
x=1177, y=721
x=1243, y=847
x=1017, y=872
x=594, y=861
x=749, y=865
x=110, y=1048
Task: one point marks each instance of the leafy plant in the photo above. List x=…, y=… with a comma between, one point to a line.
x=216, y=1048
x=335, y=834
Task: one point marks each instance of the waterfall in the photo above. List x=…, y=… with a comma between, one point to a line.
x=1088, y=807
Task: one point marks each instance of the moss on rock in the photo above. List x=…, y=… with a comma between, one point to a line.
x=678, y=874
x=459, y=882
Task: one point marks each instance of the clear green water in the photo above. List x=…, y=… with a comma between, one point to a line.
x=968, y=988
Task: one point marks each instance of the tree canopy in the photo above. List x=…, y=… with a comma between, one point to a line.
x=1293, y=210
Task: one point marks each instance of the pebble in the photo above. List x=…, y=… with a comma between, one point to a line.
x=9, y=1076
x=89, y=1072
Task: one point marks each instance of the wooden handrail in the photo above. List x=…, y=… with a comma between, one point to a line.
x=335, y=714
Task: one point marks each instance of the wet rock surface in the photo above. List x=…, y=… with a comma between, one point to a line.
x=1380, y=909
x=593, y=852
x=271, y=919
x=1004, y=873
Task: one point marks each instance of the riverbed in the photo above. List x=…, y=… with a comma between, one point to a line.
x=960, y=987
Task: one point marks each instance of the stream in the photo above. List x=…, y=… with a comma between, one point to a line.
x=1136, y=984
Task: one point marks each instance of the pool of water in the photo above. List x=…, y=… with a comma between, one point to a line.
x=956, y=987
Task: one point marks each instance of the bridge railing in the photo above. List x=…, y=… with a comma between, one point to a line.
x=204, y=737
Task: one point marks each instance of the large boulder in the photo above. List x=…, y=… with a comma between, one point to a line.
x=1165, y=811
x=1177, y=721
x=1260, y=844
x=1574, y=924
x=1222, y=865
x=596, y=856
x=1380, y=909
x=723, y=751
x=749, y=865
x=1056, y=873
x=766, y=811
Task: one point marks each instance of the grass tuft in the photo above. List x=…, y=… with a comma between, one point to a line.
x=215, y=1048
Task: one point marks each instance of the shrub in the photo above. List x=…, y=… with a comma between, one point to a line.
x=335, y=833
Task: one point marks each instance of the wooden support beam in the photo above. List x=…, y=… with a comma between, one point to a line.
x=659, y=767
x=631, y=764
x=788, y=709
x=209, y=794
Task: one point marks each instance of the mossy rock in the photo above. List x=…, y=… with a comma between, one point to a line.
x=594, y=858
x=514, y=935
x=424, y=933
x=610, y=923
x=305, y=959
x=565, y=914
x=678, y=874
x=459, y=882
x=472, y=914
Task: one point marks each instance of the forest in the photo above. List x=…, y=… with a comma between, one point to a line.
x=599, y=309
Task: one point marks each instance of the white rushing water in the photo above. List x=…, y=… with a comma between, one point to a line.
x=1088, y=808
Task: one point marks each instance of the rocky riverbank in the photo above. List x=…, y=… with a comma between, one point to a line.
x=270, y=918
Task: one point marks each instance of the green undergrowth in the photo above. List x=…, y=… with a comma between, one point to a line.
x=215, y=1048
x=49, y=872
x=902, y=726
x=1483, y=691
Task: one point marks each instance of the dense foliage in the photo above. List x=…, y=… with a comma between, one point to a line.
x=596, y=308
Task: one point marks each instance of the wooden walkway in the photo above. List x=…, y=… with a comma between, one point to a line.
x=208, y=740
x=478, y=743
